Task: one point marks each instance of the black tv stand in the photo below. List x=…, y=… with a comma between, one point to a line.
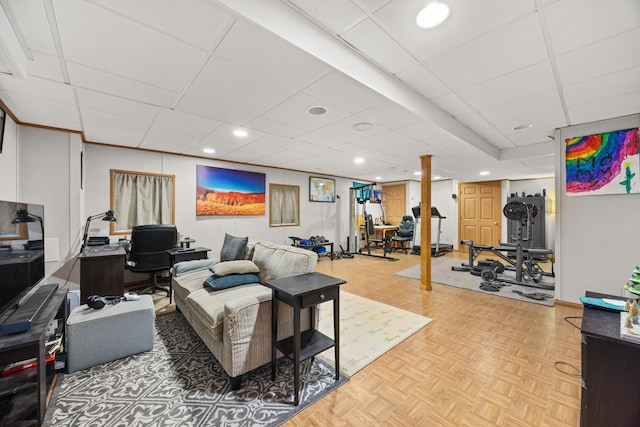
x=23, y=394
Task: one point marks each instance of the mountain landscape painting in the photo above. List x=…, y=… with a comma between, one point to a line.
x=222, y=191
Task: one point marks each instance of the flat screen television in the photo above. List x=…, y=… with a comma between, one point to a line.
x=21, y=251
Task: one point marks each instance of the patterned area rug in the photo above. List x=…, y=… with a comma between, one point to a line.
x=441, y=273
x=179, y=383
x=368, y=329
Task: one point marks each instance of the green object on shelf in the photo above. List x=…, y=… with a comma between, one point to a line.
x=632, y=289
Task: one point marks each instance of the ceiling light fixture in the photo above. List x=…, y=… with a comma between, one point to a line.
x=417, y=173
x=240, y=133
x=317, y=110
x=362, y=126
x=484, y=173
x=378, y=178
x=436, y=177
x=358, y=160
x=209, y=150
x=432, y=15
x=522, y=127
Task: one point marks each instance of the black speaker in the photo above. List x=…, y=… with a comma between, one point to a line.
x=98, y=302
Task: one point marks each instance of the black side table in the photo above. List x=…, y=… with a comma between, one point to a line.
x=304, y=291
x=184, y=254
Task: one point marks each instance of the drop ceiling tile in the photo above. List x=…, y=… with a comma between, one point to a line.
x=603, y=109
x=577, y=23
x=222, y=140
x=264, y=53
x=274, y=128
x=374, y=5
x=343, y=130
x=100, y=81
x=108, y=128
x=319, y=140
x=294, y=112
x=38, y=88
x=452, y=104
x=343, y=91
x=111, y=43
x=520, y=83
x=534, y=135
x=288, y=158
x=32, y=22
x=522, y=108
x=368, y=38
x=174, y=131
x=195, y=22
x=112, y=105
x=337, y=15
x=420, y=79
x=599, y=59
x=480, y=125
x=607, y=86
x=228, y=93
x=262, y=147
x=390, y=115
x=467, y=21
x=508, y=48
x=45, y=66
x=435, y=140
x=52, y=112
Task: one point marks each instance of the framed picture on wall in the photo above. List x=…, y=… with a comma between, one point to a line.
x=322, y=189
x=603, y=163
x=229, y=192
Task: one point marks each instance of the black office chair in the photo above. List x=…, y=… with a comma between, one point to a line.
x=404, y=234
x=149, y=244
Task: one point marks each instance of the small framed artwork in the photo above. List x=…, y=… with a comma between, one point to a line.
x=322, y=189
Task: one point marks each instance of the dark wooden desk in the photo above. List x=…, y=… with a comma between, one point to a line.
x=23, y=394
x=303, y=291
x=101, y=271
x=184, y=254
x=610, y=370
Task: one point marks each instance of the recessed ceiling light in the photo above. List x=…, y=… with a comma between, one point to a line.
x=417, y=173
x=317, y=110
x=484, y=173
x=436, y=177
x=358, y=160
x=378, y=178
x=432, y=15
x=209, y=150
x=360, y=127
x=522, y=127
x=240, y=133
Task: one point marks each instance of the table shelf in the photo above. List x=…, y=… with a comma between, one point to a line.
x=312, y=342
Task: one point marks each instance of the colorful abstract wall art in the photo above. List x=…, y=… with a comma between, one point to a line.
x=229, y=192
x=604, y=163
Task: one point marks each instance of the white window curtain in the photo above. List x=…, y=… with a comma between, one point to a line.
x=140, y=199
x=284, y=201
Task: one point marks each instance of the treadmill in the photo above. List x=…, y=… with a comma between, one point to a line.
x=437, y=248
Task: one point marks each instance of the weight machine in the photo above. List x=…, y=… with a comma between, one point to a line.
x=528, y=271
x=359, y=196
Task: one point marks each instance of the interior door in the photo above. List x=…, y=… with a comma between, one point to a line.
x=479, y=206
x=394, y=202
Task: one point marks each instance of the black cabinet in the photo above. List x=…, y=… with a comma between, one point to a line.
x=538, y=227
x=23, y=393
x=101, y=272
x=610, y=374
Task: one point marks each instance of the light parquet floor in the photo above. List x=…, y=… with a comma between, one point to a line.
x=483, y=361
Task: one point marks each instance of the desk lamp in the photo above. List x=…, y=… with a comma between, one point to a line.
x=23, y=216
x=106, y=216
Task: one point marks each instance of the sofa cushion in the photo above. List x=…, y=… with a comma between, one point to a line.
x=185, y=267
x=234, y=267
x=233, y=248
x=231, y=280
x=208, y=305
x=276, y=261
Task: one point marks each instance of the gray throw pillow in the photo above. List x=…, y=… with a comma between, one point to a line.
x=233, y=248
x=234, y=267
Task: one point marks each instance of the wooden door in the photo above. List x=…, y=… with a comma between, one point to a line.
x=394, y=202
x=480, y=213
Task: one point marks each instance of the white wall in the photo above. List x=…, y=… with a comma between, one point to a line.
x=597, y=237
x=9, y=162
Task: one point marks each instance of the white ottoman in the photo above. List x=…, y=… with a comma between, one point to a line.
x=115, y=331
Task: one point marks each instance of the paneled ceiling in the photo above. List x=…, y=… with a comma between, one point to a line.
x=483, y=92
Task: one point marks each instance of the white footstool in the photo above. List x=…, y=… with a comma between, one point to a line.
x=115, y=331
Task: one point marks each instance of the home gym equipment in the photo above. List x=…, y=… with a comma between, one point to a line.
x=360, y=195
x=437, y=248
x=528, y=271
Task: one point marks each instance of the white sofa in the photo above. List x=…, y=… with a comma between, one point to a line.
x=235, y=323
